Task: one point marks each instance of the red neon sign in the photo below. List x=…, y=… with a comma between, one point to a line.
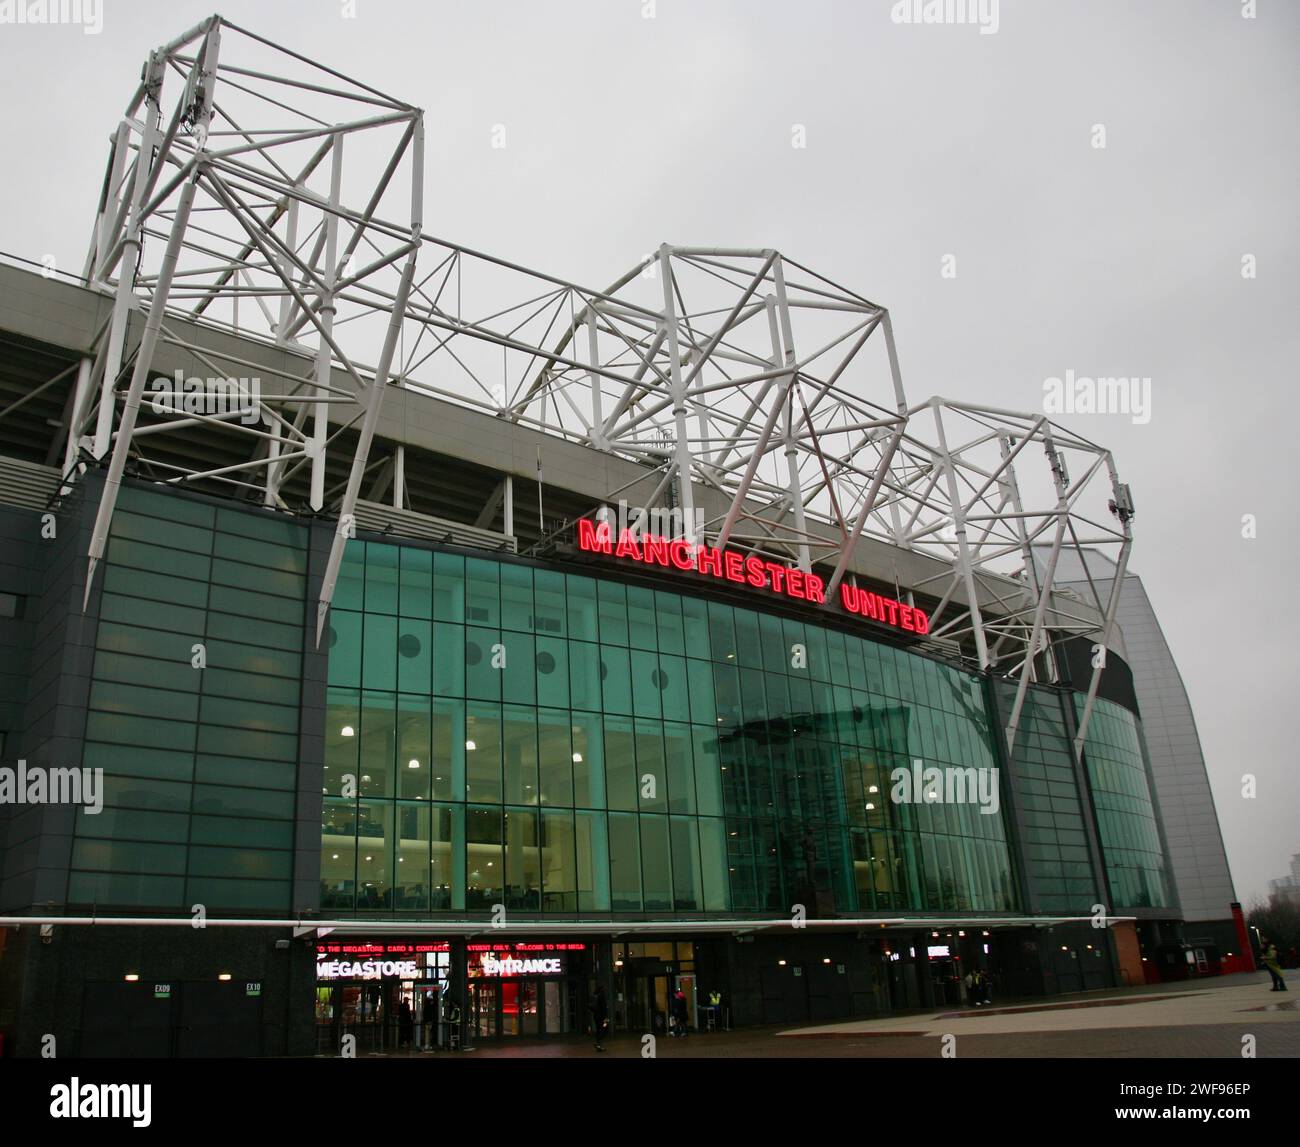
x=745, y=569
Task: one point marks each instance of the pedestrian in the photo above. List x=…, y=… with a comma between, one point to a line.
x=986, y=986
x=679, y=1013
x=405, y=1025
x=599, y=1016
x=451, y=1021
x=977, y=987
x=968, y=982
x=1274, y=969
x=429, y=1021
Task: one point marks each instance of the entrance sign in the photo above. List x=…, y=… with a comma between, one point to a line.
x=744, y=569
x=339, y=960
x=366, y=969
x=503, y=961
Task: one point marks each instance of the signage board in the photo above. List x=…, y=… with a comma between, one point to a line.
x=505, y=961
x=745, y=569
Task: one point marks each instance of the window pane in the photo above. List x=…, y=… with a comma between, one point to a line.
x=593, y=862
x=484, y=828
x=448, y=750
x=410, y=881
x=381, y=578
x=449, y=587
x=652, y=779
x=483, y=753
x=612, y=599
x=414, y=655
x=656, y=864
x=688, y=893
x=516, y=597
x=448, y=659
x=523, y=861
x=375, y=854
x=482, y=678
x=624, y=862
x=482, y=592
x=584, y=675
x=641, y=618
x=548, y=603
x=447, y=858
x=555, y=758
x=552, y=662
x=519, y=743
x=415, y=591
x=672, y=638
x=620, y=763
x=378, y=748
x=582, y=608
x=379, y=664
x=414, y=769
x=678, y=768
x=559, y=863
x=588, y=761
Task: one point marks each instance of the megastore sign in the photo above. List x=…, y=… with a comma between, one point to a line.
x=745, y=569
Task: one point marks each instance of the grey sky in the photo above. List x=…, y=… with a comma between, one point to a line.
x=922, y=141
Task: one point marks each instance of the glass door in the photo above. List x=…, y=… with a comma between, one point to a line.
x=530, y=1019
x=511, y=1006
x=483, y=1014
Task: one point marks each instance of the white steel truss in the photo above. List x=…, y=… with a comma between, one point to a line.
x=749, y=384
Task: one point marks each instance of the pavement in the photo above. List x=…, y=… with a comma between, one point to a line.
x=1197, y=1019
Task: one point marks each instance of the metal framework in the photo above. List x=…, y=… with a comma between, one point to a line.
x=749, y=385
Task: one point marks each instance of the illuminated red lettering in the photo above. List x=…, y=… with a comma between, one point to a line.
x=679, y=553
x=778, y=576
x=734, y=566
x=709, y=560
x=905, y=617
x=593, y=536
x=890, y=604
x=655, y=550
x=627, y=547
x=794, y=583
x=755, y=574
x=922, y=622
x=849, y=596
x=815, y=588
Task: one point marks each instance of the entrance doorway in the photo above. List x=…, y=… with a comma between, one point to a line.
x=650, y=999
x=522, y=1007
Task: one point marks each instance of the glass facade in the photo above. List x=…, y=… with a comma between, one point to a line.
x=1136, y=867
x=1053, y=828
x=564, y=744
x=200, y=764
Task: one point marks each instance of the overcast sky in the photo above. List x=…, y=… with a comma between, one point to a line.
x=631, y=123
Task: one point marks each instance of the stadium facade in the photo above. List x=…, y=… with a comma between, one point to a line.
x=646, y=637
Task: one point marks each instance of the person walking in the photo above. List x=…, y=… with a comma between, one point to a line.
x=680, y=1013
x=1274, y=969
x=599, y=1016
x=968, y=982
x=405, y=1026
x=986, y=987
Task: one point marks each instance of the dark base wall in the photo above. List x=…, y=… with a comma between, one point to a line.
x=758, y=989
x=73, y=988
